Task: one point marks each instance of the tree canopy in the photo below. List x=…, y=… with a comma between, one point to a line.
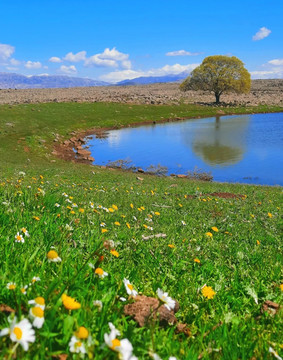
x=219, y=74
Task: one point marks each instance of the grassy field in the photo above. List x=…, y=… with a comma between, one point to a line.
x=219, y=256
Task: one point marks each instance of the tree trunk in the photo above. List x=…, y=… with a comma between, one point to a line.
x=217, y=98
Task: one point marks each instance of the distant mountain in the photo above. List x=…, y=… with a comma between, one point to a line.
x=155, y=79
x=17, y=81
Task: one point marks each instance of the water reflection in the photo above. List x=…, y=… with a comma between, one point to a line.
x=221, y=142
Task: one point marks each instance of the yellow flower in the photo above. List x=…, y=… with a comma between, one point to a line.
x=208, y=234
x=281, y=287
x=81, y=211
x=115, y=207
x=11, y=286
x=258, y=242
x=208, y=292
x=214, y=228
x=82, y=333
x=36, y=218
x=197, y=260
x=128, y=225
x=157, y=213
x=111, y=210
x=180, y=205
x=117, y=223
x=104, y=230
x=132, y=206
x=70, y=303
x=72, y=212
x=115, y=253
x=101, y=273
x=269, y=214
x=171, y=246
x=52, y=255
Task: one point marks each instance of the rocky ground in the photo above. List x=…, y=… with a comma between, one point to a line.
x=268, y=92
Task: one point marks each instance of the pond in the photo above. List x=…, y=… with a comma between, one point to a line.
x=240, y=148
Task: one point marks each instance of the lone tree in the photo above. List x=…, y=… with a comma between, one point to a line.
x=219, y=74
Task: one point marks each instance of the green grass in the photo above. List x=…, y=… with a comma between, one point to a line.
x=242, y=262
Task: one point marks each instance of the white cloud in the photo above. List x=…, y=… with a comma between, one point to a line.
x=261, y=34
x=181, y=53
x=80, y=56
x=33, y=65
x=68, y=69
x=6, y=51
x=109, y=58
x=11, y=68
x=268, y=74
x=14, y=62
x=276, y=62
x=116, y=76
x=55, y=59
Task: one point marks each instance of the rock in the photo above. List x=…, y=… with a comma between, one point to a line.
x=181, y=176
x=140, y=170
x=90, y=158
x=83, y=152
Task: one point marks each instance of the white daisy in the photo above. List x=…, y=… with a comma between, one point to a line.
x=24, y=289
x=98, y=304
x=168, y=301
x=21, y=333
x=101, y=273
x=11, y=286
x=24, y=230
x=37, y=315
x=123, y=347
x=19, y=238
x=76, y=345
x=38, y=301
x=35, y=279
x=129, y=288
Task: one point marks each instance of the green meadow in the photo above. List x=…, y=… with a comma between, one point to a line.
x=78, y=230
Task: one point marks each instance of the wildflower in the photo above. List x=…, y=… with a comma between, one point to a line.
x=115, y=207
x=11, y=286
x=208, y=234
x=208, y=292
x=122, y=299
x=128, y=225
x=74, y=205
x=70, y=303
x=132, y=206
x=82, y=333
x=24, y=289
x=81, y=211
x=157, y=213
x=102, y=224
x=36, y=218
x=117, y=223
x=53, y=256
x=171, y=246
x=92, y=205
x=214, y=228
x=183, y=222
x=104, y=230
x=129, y=288
x=21, y=333
x=281, y=287
x=19, y=238
x=258, y=243
x=24, y=230
x=114, y=252
x=102, y=274
x=168, y=301
x=273, y=352
x=197, y=260
x=36, y=313
x=57, y=205
x=76, y=346
x=123, y=347
x=35, y=279
x=98, y=304
x=111, y=210
x=38, y=301
x=269, y=214
x=91, y=265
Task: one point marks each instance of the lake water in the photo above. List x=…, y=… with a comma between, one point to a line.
x=240, y=148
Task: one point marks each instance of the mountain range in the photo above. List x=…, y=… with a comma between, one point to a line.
x=18, y=81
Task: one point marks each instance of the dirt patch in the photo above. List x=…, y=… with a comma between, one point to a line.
x=225, y=195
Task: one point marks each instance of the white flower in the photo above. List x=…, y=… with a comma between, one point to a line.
x=92, y=205
x=183, y=222
x=100, y=273
x=64, y=194
x=57, y=205
x=22, y=173
x=21, y=333
x=123, y=347
x=19, y=238
x=76, y=345
x=91, y=265
x=38, y=301
x=36, y=313
x=11, y=286
x=273, y=352
x=122, y=299
x=129, y=288
x=98, y=304
x=35, y=279
x=24, y=230
x=168, y=301
x=24, y=289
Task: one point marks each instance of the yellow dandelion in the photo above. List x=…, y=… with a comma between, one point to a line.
x=132, y=206
x=209, y=234
x=258, y=242
x=115, y=207
x=180, y=205
x=208, y=292
x=281, y=287
x=171, y=246
x=82, y=210
x=157, y=213
x=104, y=230
x=214, y=228
x=111, y=210
x=82, y=333
x=269, y=214
x=117, y=223
x=36, y=218
x=70, y=303
x=72, y=212
x=114, y=252
x=197, y=260
x=128, y=225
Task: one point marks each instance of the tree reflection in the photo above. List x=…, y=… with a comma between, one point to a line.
x=221, y=142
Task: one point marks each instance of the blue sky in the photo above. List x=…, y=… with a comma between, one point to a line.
x=116, y=40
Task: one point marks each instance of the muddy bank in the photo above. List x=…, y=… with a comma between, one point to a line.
x=269, y=92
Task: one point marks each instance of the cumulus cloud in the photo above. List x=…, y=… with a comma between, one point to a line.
x=267, y=74
x=14, y=62
x=80, y=56
x=276, y=62
x=261, y=34
x=116, y=76
x=68, y=69
x=109, y=58
x=33, y=65
x=55, y=59
x=6, y=51
x=182, y=53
